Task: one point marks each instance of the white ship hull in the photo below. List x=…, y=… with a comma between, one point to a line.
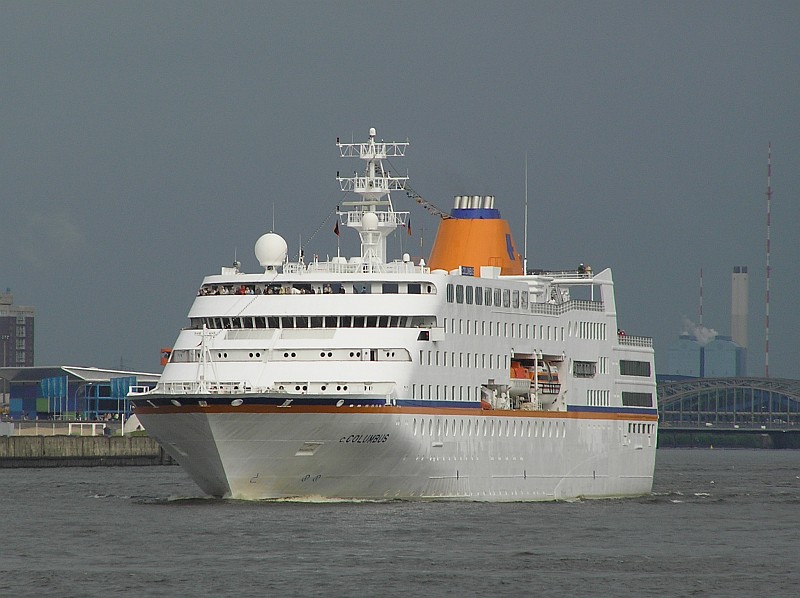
x=385, y=453
x=468, y=378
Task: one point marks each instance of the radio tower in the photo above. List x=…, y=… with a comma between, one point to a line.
x=769, y=201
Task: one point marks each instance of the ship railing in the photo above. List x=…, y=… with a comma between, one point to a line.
x=194, y=387
x=138, y=390
x=395, y=267
x=635, y=341
x=564, y=273
x=376, y=184
x=547, y=388
x=393, y=218
x=556, y=309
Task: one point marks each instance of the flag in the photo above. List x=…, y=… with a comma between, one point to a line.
x=336, y=229
x=408, y=227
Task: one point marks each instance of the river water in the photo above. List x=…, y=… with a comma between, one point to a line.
x=719, y=523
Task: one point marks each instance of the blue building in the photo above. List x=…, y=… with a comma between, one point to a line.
x=719, y=358
x=71, y=393
x=685, y=357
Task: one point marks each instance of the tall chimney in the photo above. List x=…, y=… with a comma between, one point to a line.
x=739, y=292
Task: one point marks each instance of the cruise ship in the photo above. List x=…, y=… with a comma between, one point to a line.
x=468, y=377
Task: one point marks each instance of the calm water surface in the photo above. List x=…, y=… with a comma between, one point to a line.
x=719, y=523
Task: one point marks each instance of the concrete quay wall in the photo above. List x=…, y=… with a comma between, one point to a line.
x=80, y=451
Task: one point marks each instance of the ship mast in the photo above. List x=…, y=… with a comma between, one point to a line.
x=372, y=216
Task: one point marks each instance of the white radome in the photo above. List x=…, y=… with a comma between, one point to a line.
x=369, y=221
x=271, y=250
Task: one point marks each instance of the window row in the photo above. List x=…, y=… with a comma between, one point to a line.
x=319, y=288
x=238, y=322
x=463, y=360
x=489, y=426
x=641, y=428
x=469, y=295
x=598, y=398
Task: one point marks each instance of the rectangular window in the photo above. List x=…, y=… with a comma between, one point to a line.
x=515, y=300
x=470, y=291
x=498, y=297
x=272, y=322
x=330, y=321
x=414, y=288
x=524, y=300
x=358, y=321
x=390, y=287
x=450, y=293
x=316, y=321
x=634, y=368
x=345, y=321
x=287, y=322
x=459, y=293
x=372, y=321
x=383, y=322
x=637, y=399
x=506, y=298
x=487, y=296
x=301, y=321
x=478, y=296
x=584, y=369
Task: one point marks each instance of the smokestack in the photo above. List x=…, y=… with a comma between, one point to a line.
x=739, y=292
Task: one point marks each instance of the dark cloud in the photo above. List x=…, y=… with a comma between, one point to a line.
x=147, y=143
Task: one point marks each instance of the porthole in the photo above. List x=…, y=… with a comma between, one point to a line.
x=297, y=387
x=286, y=355
x=352, y=354
x=330, y=354
x=305, y=387
x=323, y=387
x=338, y=388
x=258, y=354
x=340, y=402
x=236, y=402
x=294, y=354
x=251, y=355
x=344, y=387
x=322, y=354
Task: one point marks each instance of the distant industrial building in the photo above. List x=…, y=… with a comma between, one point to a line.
x=710, y=355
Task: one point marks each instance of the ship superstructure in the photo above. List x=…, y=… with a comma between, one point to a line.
x=465, y=378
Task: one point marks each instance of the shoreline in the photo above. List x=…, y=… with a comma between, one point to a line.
x=81, y=451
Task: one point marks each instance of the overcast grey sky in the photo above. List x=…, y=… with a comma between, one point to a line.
x=146, y=143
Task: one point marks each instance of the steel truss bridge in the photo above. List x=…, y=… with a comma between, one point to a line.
x=730, y=403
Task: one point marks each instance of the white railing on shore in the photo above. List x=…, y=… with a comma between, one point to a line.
x=58, y=428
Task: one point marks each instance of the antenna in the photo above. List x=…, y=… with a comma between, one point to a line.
x=769, y=269
x=525, y=249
